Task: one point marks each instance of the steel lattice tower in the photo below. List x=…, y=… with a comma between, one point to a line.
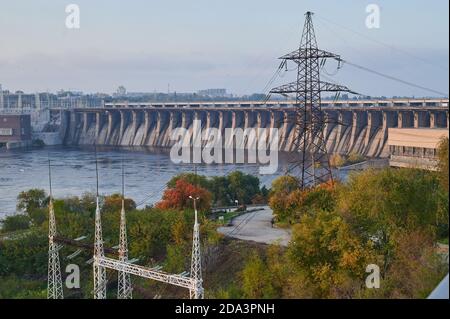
x=99, y=271
x=196, y=262
x=309, y=140
x=124, y=289
x=55, y=288
x=54, y=281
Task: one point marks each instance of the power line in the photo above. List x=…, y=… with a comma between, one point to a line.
x=395, y=78
x=383, y=44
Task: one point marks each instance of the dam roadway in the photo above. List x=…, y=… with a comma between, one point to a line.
x=350, y=126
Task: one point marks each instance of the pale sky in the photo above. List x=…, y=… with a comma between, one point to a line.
x=198, y=44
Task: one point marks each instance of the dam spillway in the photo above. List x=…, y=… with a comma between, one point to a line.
x=362, y=130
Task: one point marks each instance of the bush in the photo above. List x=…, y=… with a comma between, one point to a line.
x=337, y=160
x=354, y=157
x=15, y=222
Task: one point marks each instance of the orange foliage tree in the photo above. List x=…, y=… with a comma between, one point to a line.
x=178, y=197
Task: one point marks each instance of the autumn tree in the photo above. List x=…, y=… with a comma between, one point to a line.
x=377, y=204
x=113, y=203
x=328, y=253
x=178, y=197
x=256, y=279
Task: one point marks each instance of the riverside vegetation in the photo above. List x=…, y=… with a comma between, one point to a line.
x=393, y=218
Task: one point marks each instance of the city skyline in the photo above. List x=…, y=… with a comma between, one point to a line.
x=203, y=46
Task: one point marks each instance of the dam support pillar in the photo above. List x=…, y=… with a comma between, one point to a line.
x=146, y=126
x=432, y=120
x=110, y=127
x=400, y=119
x=85, y=122
x=122, y=125
x=344, y=122
x=359, y=121
x=221, y=124
x=98, y=124
x=374, y=123
x=416, y=119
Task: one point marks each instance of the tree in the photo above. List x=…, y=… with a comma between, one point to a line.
x=284, y=184
x=32, y=199
x=289, y=203
x=113, y=203
x=443, y=162
x=243, y=187
x=15, y=222
x=256, y=281
x=178, y=197
x=377, y=204
x=194, y=179
x=327, y=252
x=219, y=188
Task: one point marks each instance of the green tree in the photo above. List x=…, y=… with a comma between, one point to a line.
x=256, y=281
x=191, y=178
x=379, y=203
x=284, y=185
x=243, y=187
x=325, y=249
x=443, y=162
x=15, y=222
x=32, y=199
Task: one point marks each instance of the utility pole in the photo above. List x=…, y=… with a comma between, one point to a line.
x=54, y=281
x=196, y=262
x=124, y=290
x=309, y=139
x=99, y=271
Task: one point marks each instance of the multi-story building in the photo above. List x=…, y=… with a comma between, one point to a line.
x=15, y=128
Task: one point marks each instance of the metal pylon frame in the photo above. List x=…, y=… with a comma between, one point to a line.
x=196, y=262
x=99, y=271
x=54, y=281
x=309, y=141
x=124, y=288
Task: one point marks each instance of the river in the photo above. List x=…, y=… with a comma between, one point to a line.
x=73, y=172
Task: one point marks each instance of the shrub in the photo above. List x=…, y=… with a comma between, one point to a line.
x=15, y=222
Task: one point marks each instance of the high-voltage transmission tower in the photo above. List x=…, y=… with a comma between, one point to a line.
x=99, y=252
x=196, y=262
x=55, y=287
x=309, y=140
x=124, y=289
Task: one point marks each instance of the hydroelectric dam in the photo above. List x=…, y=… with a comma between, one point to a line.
x=359, y=126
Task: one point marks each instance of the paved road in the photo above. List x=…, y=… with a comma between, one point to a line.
x=256, y=226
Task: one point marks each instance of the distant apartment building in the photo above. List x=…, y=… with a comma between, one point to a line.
x=213, y=93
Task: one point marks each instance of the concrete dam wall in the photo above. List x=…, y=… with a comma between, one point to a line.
x=347, y=130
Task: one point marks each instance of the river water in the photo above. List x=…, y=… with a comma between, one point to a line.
x=73, y=172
